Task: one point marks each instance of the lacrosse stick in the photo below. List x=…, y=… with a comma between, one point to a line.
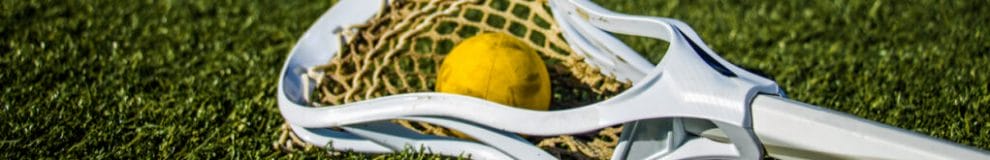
x=692, y=104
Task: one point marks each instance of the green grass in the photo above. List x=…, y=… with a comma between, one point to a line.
x=196, y=79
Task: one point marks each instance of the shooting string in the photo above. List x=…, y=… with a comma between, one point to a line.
x=400, y=49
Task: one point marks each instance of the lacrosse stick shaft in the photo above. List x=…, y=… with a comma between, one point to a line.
x=793, y=129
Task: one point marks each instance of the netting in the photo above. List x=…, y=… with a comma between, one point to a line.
x=400, y=49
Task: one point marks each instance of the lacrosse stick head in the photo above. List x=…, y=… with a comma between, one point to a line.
x=692, y=88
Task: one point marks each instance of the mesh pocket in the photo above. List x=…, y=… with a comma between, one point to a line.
x=400, y=50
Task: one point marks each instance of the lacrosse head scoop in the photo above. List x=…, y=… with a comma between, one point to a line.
x=670, y=112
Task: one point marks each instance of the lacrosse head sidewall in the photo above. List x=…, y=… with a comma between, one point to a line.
x=685, y=47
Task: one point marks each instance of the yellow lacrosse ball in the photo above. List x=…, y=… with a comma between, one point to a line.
x=498, y=68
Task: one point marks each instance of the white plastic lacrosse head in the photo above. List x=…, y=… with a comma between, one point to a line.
x=691, y=90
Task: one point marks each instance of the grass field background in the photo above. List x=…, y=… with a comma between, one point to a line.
x=196, y=79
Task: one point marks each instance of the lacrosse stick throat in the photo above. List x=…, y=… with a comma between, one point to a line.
x=691, y=89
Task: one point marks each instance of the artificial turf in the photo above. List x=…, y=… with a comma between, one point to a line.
x=196, y=79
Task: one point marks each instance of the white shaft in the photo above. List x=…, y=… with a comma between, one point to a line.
x=791, y=129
